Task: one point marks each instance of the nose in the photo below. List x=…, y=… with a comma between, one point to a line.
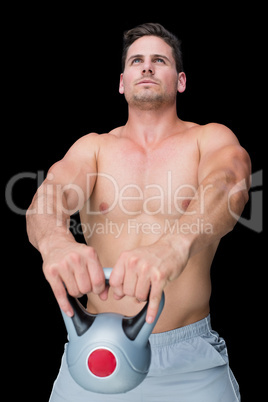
x=148, y=67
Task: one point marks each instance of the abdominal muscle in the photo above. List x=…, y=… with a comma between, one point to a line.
x=186, y=298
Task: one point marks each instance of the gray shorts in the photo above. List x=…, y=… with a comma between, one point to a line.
x=189, y=364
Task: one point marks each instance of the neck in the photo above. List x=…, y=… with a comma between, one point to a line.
x=150, y=126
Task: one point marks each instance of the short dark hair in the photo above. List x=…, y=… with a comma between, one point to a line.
x=153, y=29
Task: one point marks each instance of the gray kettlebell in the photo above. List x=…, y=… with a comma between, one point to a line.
x=108, y=353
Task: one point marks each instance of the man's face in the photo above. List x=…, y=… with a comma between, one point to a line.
x=150, y=78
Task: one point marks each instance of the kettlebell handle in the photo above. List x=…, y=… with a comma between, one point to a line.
x=107, y=273
x=82, y=319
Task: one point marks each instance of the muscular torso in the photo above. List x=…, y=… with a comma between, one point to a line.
x=138, y=195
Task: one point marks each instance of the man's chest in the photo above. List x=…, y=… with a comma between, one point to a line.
x=132, y=181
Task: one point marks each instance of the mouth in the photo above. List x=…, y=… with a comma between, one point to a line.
x=146, y=82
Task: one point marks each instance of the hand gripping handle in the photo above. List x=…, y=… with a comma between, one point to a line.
x=134, y=327
x=82, y=319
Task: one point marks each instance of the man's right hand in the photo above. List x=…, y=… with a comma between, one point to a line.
x=76, y=267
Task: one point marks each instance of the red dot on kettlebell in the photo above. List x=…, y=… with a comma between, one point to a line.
x=101, y=362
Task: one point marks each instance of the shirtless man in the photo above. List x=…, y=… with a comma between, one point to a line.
x=155, y=197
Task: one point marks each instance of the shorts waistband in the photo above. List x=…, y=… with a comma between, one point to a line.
x=198, y=328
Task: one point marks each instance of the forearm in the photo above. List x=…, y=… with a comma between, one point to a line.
x=47, y=219
x=211, y=213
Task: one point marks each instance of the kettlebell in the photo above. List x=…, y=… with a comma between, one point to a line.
x=108, y=353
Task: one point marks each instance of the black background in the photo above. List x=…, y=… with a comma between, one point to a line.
x=61, y=76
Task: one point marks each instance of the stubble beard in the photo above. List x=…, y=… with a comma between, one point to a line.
x=149, y=100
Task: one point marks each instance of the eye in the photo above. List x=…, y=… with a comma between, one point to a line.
x=136, y=61
x=159, y=60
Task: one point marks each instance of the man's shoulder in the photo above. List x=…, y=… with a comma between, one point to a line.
x=214, y=132
x=203, y=129
x=216, y=128
x=91, y=140
x=215, y=136
x=98, y=137
x=86, y=139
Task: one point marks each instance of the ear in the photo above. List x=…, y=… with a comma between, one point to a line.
x=181, y=82
x=121, y=84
